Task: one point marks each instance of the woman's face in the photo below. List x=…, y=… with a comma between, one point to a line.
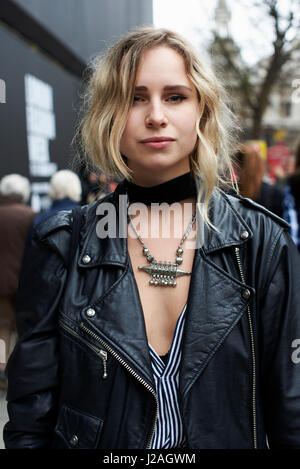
x=160, y=131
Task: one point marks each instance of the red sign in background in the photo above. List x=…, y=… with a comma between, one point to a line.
x=279, y=160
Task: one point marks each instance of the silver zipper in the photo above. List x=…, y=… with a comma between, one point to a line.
x=102, y=353
x=237, y=253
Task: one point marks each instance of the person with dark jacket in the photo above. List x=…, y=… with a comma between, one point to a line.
x=292, y=201
x=169, y=328
x=15, y=220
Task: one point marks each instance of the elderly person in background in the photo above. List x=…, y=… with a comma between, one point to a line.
x=65, y=192
x=15, y=220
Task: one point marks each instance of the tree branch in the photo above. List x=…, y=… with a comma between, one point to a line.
x=242, y=76
x=256, y=95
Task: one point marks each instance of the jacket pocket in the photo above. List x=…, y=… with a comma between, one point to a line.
x=77, y=429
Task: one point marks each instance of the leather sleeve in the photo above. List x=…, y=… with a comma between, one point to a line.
x=33, y=367
x=280, y=345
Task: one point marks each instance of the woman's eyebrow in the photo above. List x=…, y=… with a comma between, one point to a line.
x=166, y=88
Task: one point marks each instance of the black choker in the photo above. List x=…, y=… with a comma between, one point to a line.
x=174, y=190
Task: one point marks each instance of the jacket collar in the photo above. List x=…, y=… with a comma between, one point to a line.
x=11, y=199
x=109, y=217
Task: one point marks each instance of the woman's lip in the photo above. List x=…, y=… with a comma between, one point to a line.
x=163, y=138
x=161, y=144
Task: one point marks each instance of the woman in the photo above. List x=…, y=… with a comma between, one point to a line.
x=250, y=171
x=121, y=345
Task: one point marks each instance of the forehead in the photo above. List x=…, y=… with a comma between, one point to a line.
x=161, y=63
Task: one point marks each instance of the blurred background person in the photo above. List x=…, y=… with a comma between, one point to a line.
x=97, y=189
x=15, y=220
x=101, y=185
x=292, y=200
x=65, y=192
x=250, y=170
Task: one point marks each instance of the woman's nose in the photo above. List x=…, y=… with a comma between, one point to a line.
x=156, y=116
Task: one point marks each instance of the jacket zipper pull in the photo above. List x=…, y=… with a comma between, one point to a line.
x=103, y=354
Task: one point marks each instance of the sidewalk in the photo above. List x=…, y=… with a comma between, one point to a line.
x=3, y=403
x=3, y=415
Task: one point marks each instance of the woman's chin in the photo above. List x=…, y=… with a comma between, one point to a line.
x=162, y=161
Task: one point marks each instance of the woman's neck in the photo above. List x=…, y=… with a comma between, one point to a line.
x=177, y=189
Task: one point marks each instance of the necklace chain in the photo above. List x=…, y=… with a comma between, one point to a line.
x=164, y=273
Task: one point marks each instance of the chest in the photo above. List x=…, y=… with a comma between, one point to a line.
x=161, y=305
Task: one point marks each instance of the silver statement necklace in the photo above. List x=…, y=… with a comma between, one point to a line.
x=164, y=272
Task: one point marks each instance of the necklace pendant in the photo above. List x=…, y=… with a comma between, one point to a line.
x=163, y=273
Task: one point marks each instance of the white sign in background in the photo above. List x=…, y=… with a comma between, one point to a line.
x=2, y=92
x=2, y=351
x=40, y=124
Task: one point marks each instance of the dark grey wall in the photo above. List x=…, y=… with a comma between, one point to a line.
x=18, y=59
x=87, y=26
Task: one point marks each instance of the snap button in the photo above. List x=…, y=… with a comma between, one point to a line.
x=90, y=312
x=74, y=440
x=244, y=234
x=246, y=294
x=86, y=259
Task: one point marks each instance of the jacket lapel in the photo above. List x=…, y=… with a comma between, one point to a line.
x=215, y=301
x=215, y=305
x=119, y=318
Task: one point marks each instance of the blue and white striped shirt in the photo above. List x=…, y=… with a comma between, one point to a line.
x=168, y=431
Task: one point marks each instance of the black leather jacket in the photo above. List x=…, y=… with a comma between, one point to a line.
x=240, y=370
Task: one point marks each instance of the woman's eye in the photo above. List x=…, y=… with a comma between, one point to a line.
x=137, y=99
x=176, y=98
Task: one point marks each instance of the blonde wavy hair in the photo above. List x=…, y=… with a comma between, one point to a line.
x=109, y=97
